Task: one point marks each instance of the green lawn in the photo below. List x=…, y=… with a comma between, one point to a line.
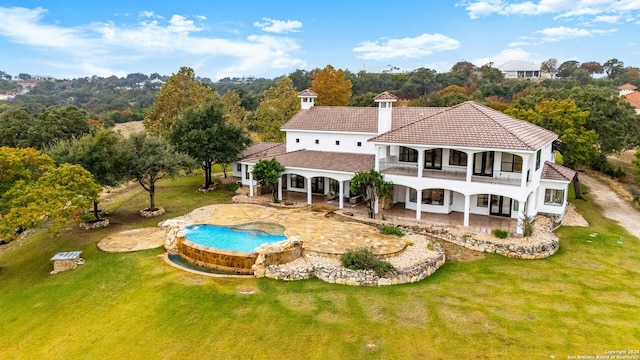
x=582, y=301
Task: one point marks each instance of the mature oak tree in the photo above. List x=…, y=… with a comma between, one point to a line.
x=150, y=159
x=101, y=153
x=205, y=133
x=60, y=194
x=180, y=92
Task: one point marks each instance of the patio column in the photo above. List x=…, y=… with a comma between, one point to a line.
x=309, y=201
x=280, y=188
x=341, y=194
x=470, y=158
x=418, y=204
x=250, y=183
x=525, y=169
x=520, y=222
x=467, y=205
x=420, y=162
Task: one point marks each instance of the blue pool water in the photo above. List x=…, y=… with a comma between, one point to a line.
x=228, y=238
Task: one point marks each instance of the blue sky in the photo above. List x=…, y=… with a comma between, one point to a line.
x=68, y=39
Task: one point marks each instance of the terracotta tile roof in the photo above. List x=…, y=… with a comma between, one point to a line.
x=307, y=93
x=385, y=96
x=325, y=160
x=353, y=119
x=263, y=149
x=627, y=86
x=551, y=171
x=633, y=99
x=470, y=125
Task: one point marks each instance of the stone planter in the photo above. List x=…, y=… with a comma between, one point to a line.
x=94, y=224
x=151, y=213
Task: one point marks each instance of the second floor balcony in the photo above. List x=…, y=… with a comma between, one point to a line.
x=411, y=169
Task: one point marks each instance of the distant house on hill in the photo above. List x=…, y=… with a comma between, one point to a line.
x=630, y=93
x=517, y=69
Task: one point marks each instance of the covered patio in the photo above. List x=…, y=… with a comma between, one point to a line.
x=477, y=223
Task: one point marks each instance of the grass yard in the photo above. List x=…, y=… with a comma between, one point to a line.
x=583, y=300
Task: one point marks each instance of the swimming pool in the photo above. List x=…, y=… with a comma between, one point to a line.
x=230, y=238
x=227, y=248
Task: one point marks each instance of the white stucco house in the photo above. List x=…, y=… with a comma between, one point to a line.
x=467, y=158
x=518, y=69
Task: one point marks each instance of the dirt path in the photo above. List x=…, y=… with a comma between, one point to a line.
x=613, y=207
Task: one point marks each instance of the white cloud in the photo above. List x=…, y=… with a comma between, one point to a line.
x=561, y=8
x=518, y=44
x=146, y=14
x=101, y=48
x=278, y=26
x=611, y=19
x=420, y=46
x=562, y=33
x=503, y=57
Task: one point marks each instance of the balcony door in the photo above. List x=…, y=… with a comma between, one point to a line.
x=500, y=206
x=483, y=163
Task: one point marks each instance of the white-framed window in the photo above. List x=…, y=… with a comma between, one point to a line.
x=238, y=167
x=516, y=205
x=483, y=200
x=246, y=172
x=359, y=143
x=297, y=181
x=317, y=141
x=297, y=141
x=337, y=142
x=554, y=197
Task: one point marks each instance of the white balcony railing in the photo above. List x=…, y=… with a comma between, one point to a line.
x=411, y=169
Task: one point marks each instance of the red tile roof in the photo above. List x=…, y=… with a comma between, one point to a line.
x=551, y=171
x=633, y=99
x=385, y=96
x=470, y=125
x=263, y=149
x=307, y=93
x=627, y=86
x=353, y=119
x=325, y=160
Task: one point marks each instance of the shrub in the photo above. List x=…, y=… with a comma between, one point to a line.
x=527, y=225
x=430, y=246
x=391, y=230
x=365, y=259
x=500, y=233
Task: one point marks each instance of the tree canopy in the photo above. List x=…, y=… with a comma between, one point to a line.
x=332, y=87
x=268, y=172
x=20, y=128
x=150, y=159
x=206, y=134
x=371, y=185
x=279, y=105
x=101, y=153
x=58, y=195
x=180, y=92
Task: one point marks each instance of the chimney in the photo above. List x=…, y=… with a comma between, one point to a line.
x=385, y=105
x=306, y=99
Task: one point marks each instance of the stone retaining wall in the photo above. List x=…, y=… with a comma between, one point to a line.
x=524, y=250
x=543, y=244
x=332, y=272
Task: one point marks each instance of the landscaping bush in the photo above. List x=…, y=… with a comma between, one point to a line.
x=391, y=230
x=365, y=259
x=527, y=225
x=500, y=233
